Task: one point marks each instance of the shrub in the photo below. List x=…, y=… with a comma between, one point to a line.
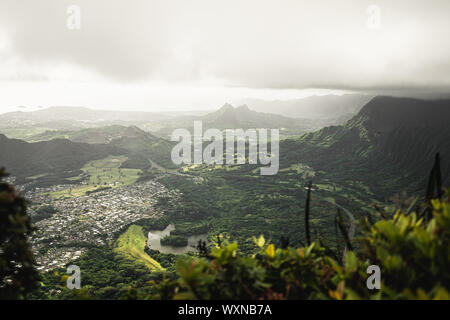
x=176, y=241
x=413, y=255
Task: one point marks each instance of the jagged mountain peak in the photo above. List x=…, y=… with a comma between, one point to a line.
x=226, y=106
x=243, y=107
x=243, y=117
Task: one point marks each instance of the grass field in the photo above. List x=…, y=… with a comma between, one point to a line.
x=100, y=174
x=300, y=169
x=22, y=133
x=107, y=172
x=131, y=245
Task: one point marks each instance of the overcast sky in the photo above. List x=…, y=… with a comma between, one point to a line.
x=197, y=54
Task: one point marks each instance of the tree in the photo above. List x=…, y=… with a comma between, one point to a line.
x=18, y=275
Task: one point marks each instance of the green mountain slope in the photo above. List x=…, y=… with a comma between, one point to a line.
x=389, y=137
x=52, y=160
x=356, y=165
x=242, y=117
x=139, y=144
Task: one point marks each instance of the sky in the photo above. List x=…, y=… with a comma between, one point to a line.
x=157, y=55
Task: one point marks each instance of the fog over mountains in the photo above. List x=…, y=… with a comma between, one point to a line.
x=105, y=170
x=328, y=106
x=296, y=116
x=398, y=131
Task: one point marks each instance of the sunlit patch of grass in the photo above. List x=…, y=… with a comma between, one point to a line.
x=187, y=168
x=100, y=174
x=23, y=133
x=300, y=169
x=131, y=245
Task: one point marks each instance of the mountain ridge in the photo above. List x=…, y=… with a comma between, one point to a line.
x=375, y=146
x=312, y=107
x=243, y=116
x=57, y=158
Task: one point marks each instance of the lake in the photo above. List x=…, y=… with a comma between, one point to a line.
x=154, y=237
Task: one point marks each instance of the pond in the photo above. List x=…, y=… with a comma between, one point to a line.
x=154, y=237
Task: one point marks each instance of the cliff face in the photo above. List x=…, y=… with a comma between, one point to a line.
x=385, y=114
x=397, y=135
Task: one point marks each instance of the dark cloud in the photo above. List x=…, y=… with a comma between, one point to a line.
x=260, y=44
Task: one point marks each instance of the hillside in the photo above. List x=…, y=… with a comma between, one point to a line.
x=131, y=245
x=388, y=137
x=385, y=114
x=140, y=144
x=146, y=145
x=242, y=117
x=352, y=165
x=56, y=159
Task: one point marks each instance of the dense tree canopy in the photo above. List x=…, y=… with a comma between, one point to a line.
x=17, y=272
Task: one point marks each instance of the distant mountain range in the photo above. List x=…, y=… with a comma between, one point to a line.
x=243, y=117
x=292, y=117
x=390, y=142
x=101, y=135
x=76, y=117
x=338, y=107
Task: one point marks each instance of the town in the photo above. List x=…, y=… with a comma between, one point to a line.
x=89, y=220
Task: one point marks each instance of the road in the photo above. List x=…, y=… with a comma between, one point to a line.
x=167, y=171
x=351, y=229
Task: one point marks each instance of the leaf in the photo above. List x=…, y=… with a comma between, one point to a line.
x=259, y=242
x=335, y=295
x=309, y=249
x=339, y=293
x=335, y=266
x=350, y=261
x=271, y=251
x=441, y=294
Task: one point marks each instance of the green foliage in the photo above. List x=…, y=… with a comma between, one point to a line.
x=18, y=275
x=176, y=241
x=167, y=260
x=153, y=224
x=414, y=258
x=42, y=213
x=131, y=245
x=187, y=229
x=413, y=255
x=104, y=275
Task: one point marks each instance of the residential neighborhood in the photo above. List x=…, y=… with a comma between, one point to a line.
x=90, y=220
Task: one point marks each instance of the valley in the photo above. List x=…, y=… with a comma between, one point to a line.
x=223, y=158
x=115, y=189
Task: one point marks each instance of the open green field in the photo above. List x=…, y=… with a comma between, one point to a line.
x=100, y=174
x=23, y=133
x=300, y=169
x=107, y=172
x=131, y=245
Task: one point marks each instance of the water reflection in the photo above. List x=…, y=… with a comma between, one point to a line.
x=154, y=237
